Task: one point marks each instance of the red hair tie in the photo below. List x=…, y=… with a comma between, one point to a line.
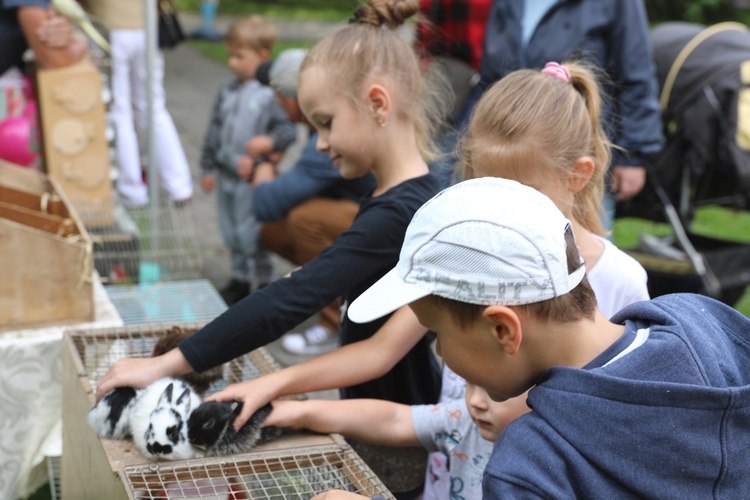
x=557, y=70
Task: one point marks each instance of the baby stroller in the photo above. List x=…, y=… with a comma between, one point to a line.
x=704, y=77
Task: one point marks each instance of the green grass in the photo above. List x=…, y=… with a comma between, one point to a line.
x=218, y=51
x=320, y=10
x=718, y=222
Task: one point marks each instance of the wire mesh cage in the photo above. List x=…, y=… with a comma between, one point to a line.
x=292, y=466
x=143, y=244
x=97, y=349
x=167, y=301
x=299, y=474
x=53, y=471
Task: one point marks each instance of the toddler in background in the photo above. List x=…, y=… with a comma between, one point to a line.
x=243, y=109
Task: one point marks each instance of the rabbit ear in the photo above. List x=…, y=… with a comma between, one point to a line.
x=185, y=395
x=167, y=393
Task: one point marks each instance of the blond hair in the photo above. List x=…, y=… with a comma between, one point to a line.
x=251, y=32
x=363, y=52
x=534, y=121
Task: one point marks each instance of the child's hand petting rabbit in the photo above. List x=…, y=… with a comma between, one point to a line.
x=210, y=429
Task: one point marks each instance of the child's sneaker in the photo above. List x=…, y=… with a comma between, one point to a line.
x=315, y=340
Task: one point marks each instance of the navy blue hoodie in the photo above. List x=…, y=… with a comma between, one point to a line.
x=670, y=419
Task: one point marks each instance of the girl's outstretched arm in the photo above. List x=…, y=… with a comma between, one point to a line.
x=371, y=421
x=346, y=366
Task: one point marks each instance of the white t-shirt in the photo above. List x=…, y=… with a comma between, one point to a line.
x=630, y=286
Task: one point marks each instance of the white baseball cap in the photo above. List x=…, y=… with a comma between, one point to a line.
x=486, y=241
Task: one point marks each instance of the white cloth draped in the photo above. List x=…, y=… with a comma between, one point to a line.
x=31, y=398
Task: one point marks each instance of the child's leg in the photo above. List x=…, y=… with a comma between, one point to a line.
x=257, y=257
x=226, y=198
x=315, y=225
x=276, y=237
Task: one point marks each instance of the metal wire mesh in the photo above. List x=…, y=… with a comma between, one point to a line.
x=142, y=244
x=53, y=470
x=99, y=348
x=293, y=474
x=167, y=301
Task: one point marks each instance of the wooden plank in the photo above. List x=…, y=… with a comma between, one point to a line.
x=47, y=261
x=26, y=179
x=86, y=472
x=52, y=224
x=44, y=203
x=45, y=278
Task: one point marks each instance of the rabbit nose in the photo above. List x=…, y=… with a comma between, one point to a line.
x=158, y=449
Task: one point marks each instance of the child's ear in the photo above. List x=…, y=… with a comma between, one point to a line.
x=506, y=327
x=582, y=172
x=379, y=103
x=264, y=54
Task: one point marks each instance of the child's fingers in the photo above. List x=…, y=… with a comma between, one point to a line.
x=243, y=417
x=274, y=418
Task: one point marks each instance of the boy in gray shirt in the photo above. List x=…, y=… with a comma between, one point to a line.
x=243, y=109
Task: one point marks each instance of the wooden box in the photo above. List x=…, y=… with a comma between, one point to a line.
x=72, y=128
x=113, y=469
x=47, y=260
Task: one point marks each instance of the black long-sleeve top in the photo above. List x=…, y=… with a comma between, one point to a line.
x=356, y=260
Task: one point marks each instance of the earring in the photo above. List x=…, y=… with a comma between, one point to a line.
x=381, y=122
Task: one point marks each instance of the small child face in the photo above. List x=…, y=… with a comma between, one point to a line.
x=244, y=61
x=344, y=133
x=489, y=416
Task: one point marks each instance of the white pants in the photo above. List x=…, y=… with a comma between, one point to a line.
x=129, y=95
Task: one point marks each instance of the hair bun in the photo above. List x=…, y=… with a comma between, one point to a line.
x=392, y=13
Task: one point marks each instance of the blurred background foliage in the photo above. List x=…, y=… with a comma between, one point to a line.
x=697, y=11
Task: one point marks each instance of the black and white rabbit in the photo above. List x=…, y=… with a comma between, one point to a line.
x=159, y=417
x=110, y=418
x=210, y=429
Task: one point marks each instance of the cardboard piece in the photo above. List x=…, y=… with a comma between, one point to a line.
x=47, y=259
x=72, y=128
